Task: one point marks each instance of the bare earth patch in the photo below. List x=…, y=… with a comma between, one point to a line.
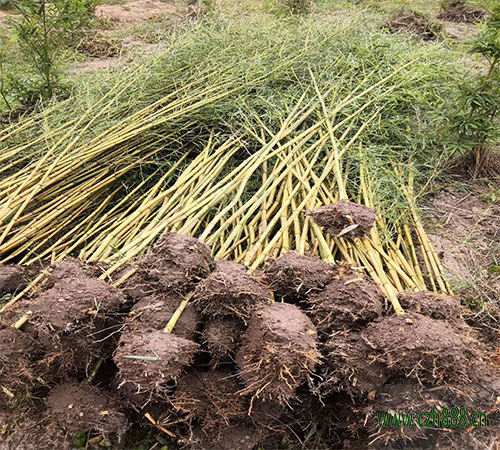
x=466, y=231
x=6, y=15
x=100, y=64
x=140, y=11
x=460, y=31
x=124, y=19
x=464, y=228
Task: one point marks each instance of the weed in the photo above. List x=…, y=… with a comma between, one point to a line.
x=289, y=7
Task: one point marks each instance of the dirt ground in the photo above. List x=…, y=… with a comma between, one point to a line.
x=460, y=31
x=464, y=226
x=139, y=11
x=129, y=23
x=284, y=372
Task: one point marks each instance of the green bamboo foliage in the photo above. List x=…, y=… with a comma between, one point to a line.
x=246, y=209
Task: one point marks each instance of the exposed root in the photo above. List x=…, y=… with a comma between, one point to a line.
x=344, y=218
x=419, y=347
x=350, y=365
x=294, y=277
x=72, y=321
x=210, y=397
x=229, y=291
x=222, y=337
x=19, y=356
x=149, y=360
x=351, y=301
x=278, y=352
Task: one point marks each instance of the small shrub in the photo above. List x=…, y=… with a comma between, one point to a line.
x=3, y=79
x=42, y=28
x=476, y=118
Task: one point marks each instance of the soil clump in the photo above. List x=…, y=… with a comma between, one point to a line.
x=294, y=277
x=278, y=352
x=344, y=218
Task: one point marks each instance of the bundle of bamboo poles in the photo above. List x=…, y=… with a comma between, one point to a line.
x=247, y=209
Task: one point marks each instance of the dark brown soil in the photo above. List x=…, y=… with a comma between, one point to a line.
x=210, y=397
x=11, y=279
x=479, y=396
x=19, y=354
x=231, y=386
x=462, y=13
x=71, y=321
x=136, y=287
x=98, y=46
x=294, y=277
x=36, y=434
x=176, y=262
x=258, y=275
x=153, y=313
x=223, y=265
x=350, y=365
x=399, y=397
x=349, y=302
x=431, y=304
x=222, y=337
x=344, y=218
x=72, y=302
x=269, y=417
x=148, y=360
x=78, y=407
x=236, y=437
x=229, y=291
x=417, y=24
x=410, y=397
x=419, y=347
x=72, y=268
x=278, y=352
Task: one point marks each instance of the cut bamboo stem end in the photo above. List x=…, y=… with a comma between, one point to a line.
x=124, y=278
x=19, y=323
x=41, y=277
x=159, y=427
x=7, y=392
x=177, y=314
x=96, y=370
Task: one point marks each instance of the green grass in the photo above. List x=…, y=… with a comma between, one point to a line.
x=412, y=132
x=370, y=15
x=407, y=134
